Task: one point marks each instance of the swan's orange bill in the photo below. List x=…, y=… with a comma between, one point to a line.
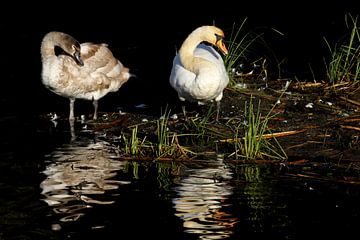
x=222, y=47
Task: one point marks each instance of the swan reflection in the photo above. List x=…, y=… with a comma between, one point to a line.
x=202, y=201
x=76, y=174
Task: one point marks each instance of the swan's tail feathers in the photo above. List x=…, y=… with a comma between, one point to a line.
x=125, y=74
x=132, y=75
x=122, y=78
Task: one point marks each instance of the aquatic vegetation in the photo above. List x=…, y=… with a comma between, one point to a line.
x=160, y=144
x=254, y=145
x=133, y=144
x=167, y=144
x=243, y=47
x=170, y=139
x=166, y=173
x=344, y=63
x=199, y=124
x=162, y=133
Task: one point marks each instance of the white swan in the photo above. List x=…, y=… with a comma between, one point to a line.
x=85, y=71
x=198, y=73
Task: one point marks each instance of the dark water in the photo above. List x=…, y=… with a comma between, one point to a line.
x=52, y=188
x=55, y=188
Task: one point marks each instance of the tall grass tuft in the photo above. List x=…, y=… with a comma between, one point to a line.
x=162, y=144
x=200, y=124
x=253, y=145
x=344, y=65
x=167, y=144
x=133, y=145
x=254, y=130
x=162, y=133
x=238, y=47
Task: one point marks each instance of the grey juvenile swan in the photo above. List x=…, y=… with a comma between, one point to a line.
x=198, y=73
x=85, y=71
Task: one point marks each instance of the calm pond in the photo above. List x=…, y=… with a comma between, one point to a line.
x=54, y=188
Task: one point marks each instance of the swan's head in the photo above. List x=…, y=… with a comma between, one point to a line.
x=214, y=36
x=72, y=47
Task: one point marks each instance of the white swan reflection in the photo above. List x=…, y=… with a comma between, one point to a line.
x=77, y=173
x=202, y=201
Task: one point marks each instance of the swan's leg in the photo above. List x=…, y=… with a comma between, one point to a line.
x=183, y=110
x=182, y=100
x=217, y=110
x=71, y=116
x=217, y=100
x=95, y=103
x=72, y=129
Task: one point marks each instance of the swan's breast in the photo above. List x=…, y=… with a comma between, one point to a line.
x=53, y=74
x=207, y=86
x=210, y=81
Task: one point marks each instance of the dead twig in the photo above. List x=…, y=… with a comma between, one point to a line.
x=283, y=134
x=356, y=103
x=265, y=136
x=350, y=181
x=350, y=127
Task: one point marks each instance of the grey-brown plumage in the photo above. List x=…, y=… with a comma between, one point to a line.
x=85, y=71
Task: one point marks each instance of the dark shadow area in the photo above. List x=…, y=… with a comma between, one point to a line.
x=147, y=43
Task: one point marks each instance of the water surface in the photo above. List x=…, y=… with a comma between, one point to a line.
x=56, y=188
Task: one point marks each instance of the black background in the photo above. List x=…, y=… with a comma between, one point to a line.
x=145, y=36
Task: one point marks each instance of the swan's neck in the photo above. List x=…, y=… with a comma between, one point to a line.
x=49, y=42
x=186, y=53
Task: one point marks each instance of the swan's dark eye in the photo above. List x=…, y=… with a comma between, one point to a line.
x=218, y=37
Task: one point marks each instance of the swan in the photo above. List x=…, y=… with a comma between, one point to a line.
x=81, y=71
x=198, y=73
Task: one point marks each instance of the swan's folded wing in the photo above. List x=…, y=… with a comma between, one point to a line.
x=208, y=53
x=211, y=55
x=180, y=77
x=101, y=66
x=98, y=58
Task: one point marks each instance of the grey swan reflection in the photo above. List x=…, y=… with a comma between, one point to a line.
x=76, y=173
x=84, y=71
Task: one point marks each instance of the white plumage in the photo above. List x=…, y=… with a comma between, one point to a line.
x=198, y=73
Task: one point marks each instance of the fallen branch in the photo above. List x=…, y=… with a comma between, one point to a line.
x=350, y=101
x=350, y=127
x=282, y=134
x=303, y=144
x=337, y=85
x=265, y=136
x=352, y=120
x=326, y=179
x=297, y=162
